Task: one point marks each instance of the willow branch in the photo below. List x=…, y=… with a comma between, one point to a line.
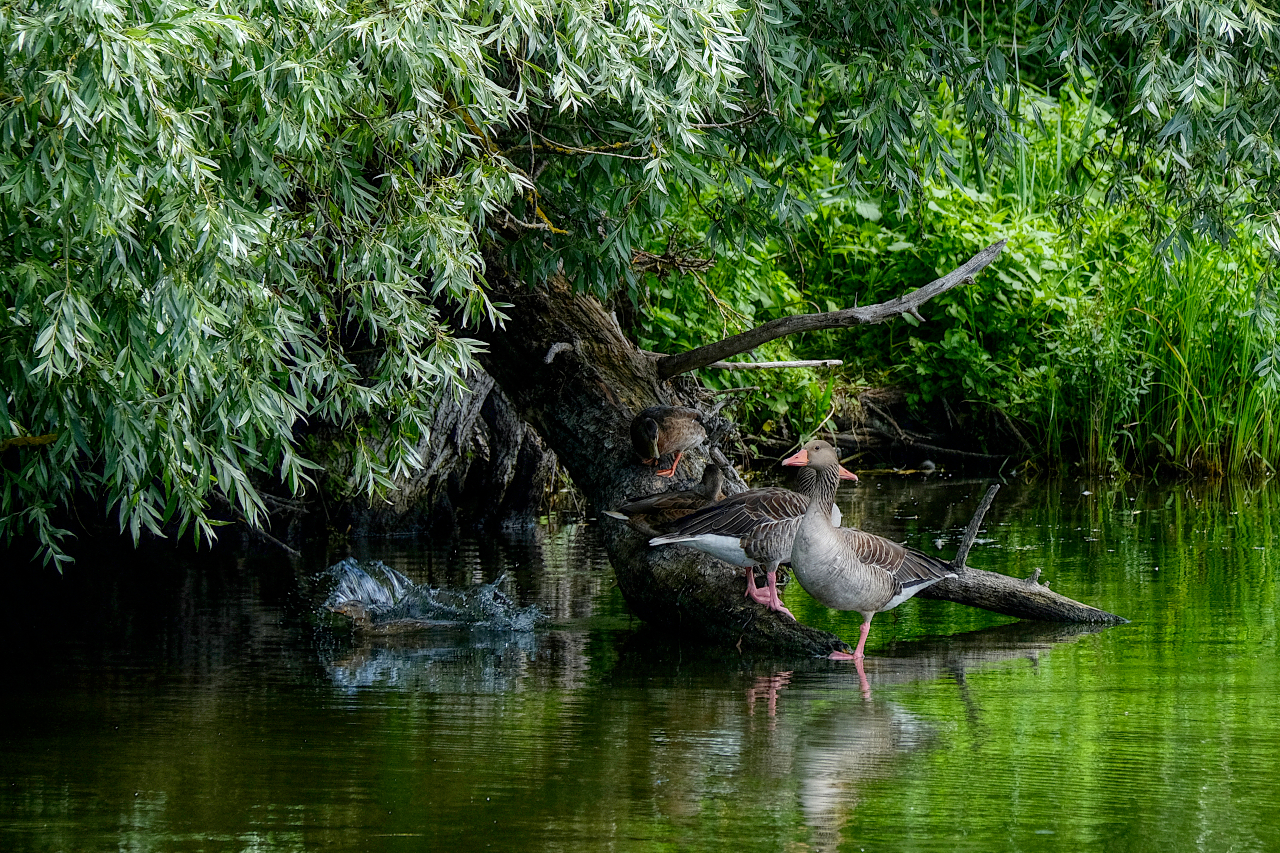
x=27, y=441
x=673, y=365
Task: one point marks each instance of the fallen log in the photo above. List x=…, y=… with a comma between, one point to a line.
x=1024, y=599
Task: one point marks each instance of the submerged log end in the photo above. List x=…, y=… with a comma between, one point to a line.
x=1018, y=597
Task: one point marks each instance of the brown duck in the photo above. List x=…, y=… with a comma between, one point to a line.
x=661, y=430
x=656, y=513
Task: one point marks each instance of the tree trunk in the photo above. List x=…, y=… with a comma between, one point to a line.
x=485, y=466
x=568, y=369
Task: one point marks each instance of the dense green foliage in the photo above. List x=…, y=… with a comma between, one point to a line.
x=1102, y=335
x=223, y=222
x=226, y=223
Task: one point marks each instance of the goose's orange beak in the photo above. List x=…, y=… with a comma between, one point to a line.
x=846, y=474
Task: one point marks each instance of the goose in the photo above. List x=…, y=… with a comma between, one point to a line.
x=754, y=528
x=850, y=569
x=656, y=513
x=659, y=430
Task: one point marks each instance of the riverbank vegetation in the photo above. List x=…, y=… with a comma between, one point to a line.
x=1108, y=338
x=249, y=247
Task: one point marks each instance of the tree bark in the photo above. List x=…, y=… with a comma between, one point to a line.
x=568, y=369
x=485, y=467
x=582, y=401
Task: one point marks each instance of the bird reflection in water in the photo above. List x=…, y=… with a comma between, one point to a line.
x=832, y=742
x=842, y=748
x=767, y=687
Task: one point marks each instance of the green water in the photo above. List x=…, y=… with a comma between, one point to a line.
x=168, y=702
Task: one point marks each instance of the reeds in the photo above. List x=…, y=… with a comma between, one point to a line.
x=1168, y=374
x=1167, y=362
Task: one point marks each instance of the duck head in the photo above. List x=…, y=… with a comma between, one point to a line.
x=644, y=437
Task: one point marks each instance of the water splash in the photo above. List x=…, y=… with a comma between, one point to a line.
x=389, y=596
x=379, y=587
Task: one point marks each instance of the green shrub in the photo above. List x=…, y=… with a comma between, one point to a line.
x=1103, y=349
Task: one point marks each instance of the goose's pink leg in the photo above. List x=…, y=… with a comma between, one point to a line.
x=774, y=602
x=755, y=593
x=857, y=653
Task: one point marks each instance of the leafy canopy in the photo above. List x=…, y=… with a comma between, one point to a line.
x=227, y=223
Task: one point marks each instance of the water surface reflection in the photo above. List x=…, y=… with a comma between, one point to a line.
x=164, y=701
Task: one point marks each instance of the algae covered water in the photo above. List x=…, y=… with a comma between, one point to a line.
x=164, y=700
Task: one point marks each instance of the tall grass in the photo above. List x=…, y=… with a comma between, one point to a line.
x=1209, y=410
x=1142, y=359
x=1161, y=370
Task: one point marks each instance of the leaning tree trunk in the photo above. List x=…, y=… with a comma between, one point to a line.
x=569, y=370
x=566, y=366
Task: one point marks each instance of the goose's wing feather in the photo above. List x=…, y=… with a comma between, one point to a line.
x=907, y=567
x=771, y=541
x=740, y=514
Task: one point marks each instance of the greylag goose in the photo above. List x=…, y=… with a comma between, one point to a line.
x=849, y=569
x=656, y=513
x=754, y=528
x=659, y=430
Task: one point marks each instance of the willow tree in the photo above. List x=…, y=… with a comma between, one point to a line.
x=226, y=220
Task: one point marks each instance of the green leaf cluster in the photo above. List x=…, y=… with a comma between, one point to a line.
x=226, y=222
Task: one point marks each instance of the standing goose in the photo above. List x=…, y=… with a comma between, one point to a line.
x=849, y=569
x=656, y=513
x=754, y=528
x=659, y=430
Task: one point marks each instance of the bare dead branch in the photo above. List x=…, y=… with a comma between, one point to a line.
x=975, y=523
x=673, y=365
x=1025, y=599
x=769, y=365
x=668, y=262
x=1015, y=597
x=600, y=150
x=510, y=221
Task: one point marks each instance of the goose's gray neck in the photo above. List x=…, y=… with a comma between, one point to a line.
x=819, y=485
